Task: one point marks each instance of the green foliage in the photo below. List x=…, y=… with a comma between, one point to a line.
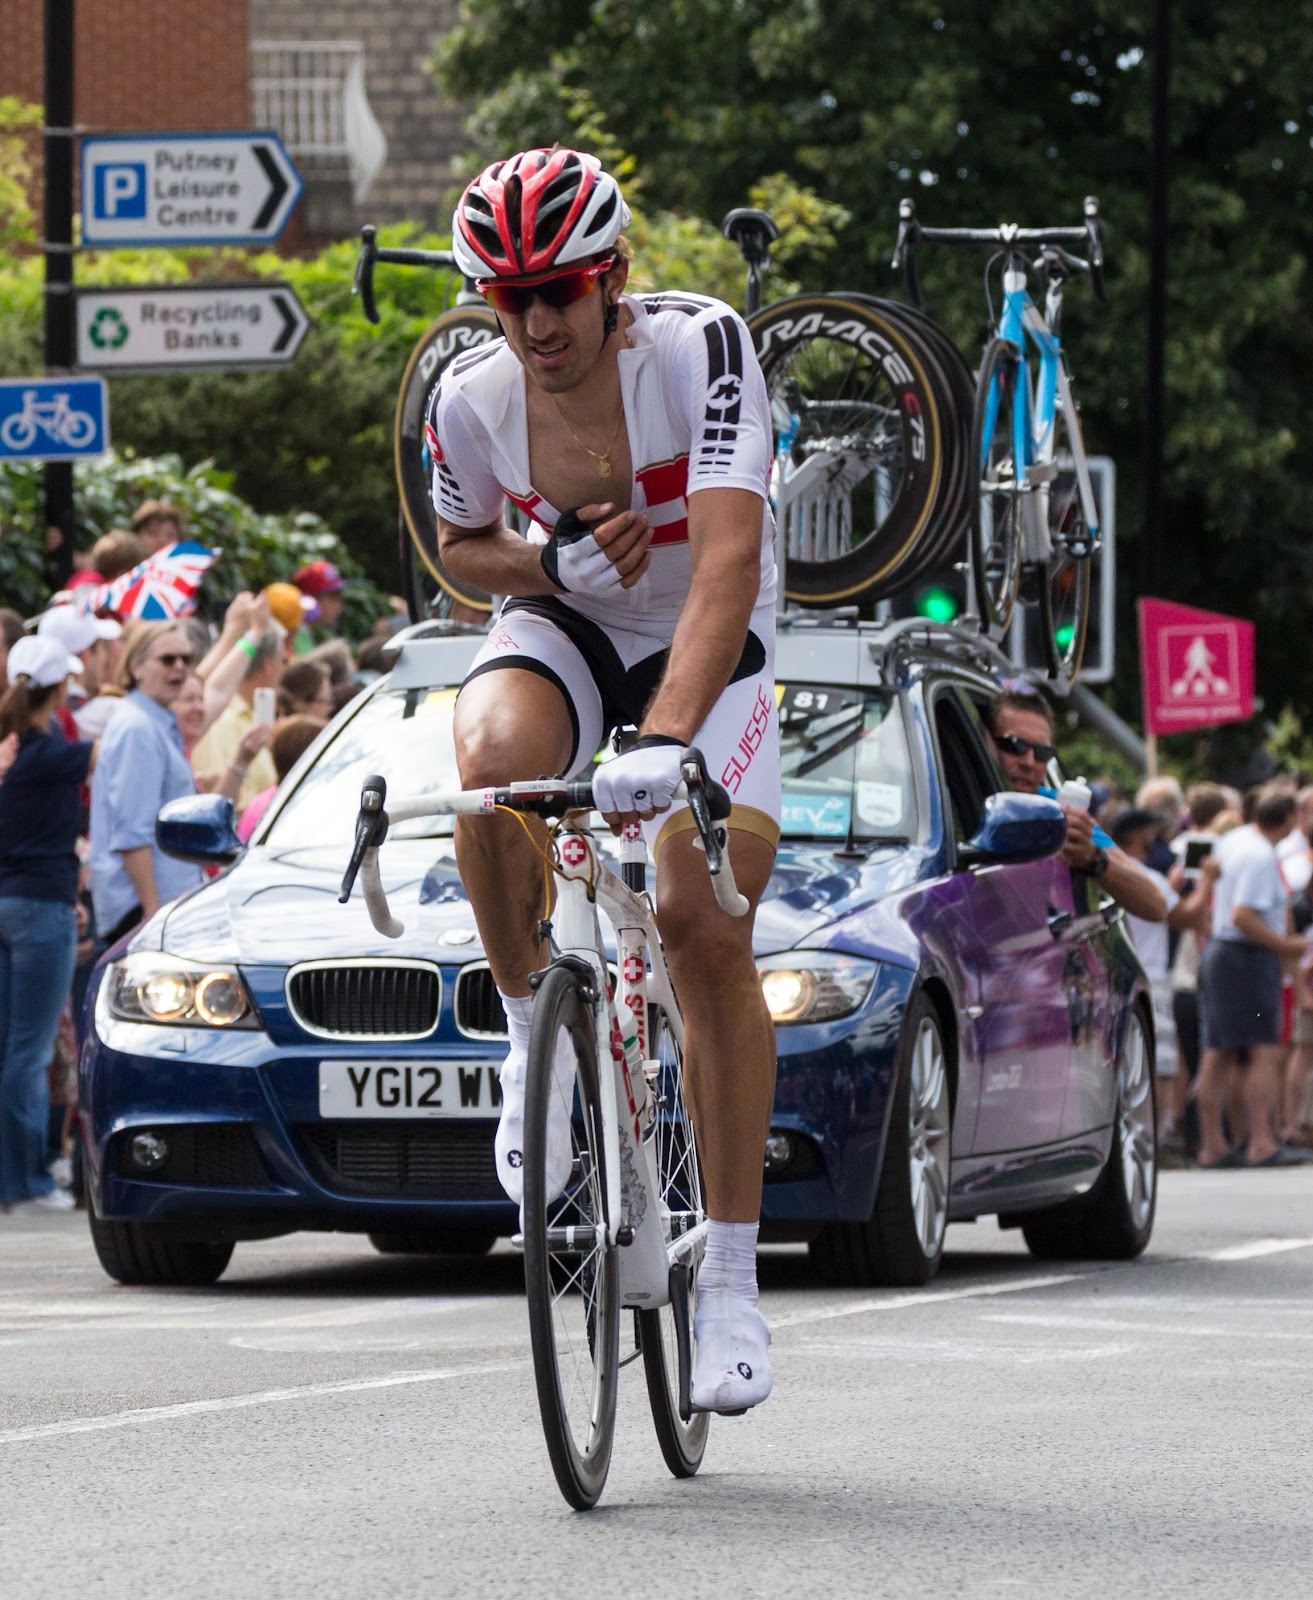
x=1014, y=110
x=256, y=548
x=16, y=215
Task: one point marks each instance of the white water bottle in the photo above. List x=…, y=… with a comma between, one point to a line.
x=1075, y=794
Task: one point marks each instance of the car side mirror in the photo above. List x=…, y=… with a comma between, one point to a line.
x=201, y=828
x=1015, y=828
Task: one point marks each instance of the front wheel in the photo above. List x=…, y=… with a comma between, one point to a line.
x=996, y=498
x=572, y=1278
x=1064, y=596
x=135, y=1253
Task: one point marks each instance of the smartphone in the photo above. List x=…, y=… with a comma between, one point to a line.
x=1197, y=850
x=265, y=706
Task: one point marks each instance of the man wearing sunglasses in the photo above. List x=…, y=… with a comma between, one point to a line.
x=634, y=434
x=1021, y=727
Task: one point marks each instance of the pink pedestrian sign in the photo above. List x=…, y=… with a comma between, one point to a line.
x=1196, y=667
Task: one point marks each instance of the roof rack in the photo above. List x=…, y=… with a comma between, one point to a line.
x=940, y=638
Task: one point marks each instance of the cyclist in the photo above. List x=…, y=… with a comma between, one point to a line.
x=649, y=415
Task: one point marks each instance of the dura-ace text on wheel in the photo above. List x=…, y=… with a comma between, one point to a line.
x=571, y=1273
x=858, y=445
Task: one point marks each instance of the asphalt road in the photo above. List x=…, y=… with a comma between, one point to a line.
x=328, y=1422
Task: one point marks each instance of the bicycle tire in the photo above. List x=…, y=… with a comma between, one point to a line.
x=1064, y=595
x=577, y=1395
x=995, y=557
x=861, y=366
x=453, y=334
x=661, y=1331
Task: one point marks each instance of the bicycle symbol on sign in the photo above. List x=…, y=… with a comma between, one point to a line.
x=56, y=418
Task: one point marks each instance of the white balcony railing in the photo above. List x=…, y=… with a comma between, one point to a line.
x=313, y=95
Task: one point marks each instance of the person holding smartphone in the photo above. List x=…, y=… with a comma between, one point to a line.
x=222, y=749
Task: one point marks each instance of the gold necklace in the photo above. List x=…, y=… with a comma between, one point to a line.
x=603, y=459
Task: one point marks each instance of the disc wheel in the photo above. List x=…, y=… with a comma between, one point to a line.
x=571, y=1274
x=454, y=334
x=666, y=1334
x=996, y=503
x=858, y=445
x=1064, y=598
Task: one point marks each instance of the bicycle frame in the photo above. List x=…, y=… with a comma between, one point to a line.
x=1035, y=410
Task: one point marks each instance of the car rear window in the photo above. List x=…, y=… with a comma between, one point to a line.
x=403, y=733
x=845, y=764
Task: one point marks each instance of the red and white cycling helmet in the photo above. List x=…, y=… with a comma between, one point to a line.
x=539, y=210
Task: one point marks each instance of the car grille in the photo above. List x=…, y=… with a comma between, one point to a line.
x=386, y=1000
x=479, y=1011
x=430, y=1160
x=216, y=1155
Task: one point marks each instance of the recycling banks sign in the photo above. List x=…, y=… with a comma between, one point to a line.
x=186, y=189
x=197, y=325
x=1196, y=667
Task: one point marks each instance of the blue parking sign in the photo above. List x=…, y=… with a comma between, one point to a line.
x=119, y=191
x=53, y=419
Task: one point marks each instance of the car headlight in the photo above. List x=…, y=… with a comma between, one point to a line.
x=151, y=987
x=814, y=985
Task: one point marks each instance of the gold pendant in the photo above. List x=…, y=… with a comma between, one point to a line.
x=603, y=467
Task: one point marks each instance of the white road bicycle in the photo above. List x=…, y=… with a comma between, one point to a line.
x=629, y=1229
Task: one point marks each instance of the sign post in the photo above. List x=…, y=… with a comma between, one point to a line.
x=178, y=189
x=208, y=325
x=58, y=251
x=1196, y=669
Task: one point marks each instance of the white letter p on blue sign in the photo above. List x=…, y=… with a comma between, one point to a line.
x=120, y=191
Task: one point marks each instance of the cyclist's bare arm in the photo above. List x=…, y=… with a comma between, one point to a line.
x=724, y=535
x=496, y=559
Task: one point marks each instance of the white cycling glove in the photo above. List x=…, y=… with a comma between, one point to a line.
x=581, y=567
x=644, y=779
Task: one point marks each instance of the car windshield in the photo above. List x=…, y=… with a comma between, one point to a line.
x=405, y=734
x=845, y=764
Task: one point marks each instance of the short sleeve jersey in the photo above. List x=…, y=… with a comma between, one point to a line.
x=698, y=418
x=1250, y=877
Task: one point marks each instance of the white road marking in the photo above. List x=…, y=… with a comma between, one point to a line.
x=1254, y=1249
x=925, y=1297
x=238, y=1402
x=1176, y=1330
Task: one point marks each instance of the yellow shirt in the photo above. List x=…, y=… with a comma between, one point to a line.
x=215, y=750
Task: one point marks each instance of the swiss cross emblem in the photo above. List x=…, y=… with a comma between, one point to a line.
x=633, y=832
x=633, y=969
x=431, y=439
x=574, y=852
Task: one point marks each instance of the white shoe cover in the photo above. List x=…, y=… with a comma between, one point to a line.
x=731, y=1366
x=509, y=1144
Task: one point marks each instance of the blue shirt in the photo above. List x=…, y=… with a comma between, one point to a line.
x=40, y=809
x=1101, y=841
x=141, y=767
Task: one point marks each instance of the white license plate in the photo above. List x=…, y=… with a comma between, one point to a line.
x=408, y=1089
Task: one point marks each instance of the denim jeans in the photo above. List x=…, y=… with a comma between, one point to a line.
x=38, y=948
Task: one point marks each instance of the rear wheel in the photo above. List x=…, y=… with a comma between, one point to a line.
x=1064, y=599
x=571, y=1274
x=666, y=1334
x=135, y=1253
x=996, y=497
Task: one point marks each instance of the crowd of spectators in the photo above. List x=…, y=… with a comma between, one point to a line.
x=102, y=721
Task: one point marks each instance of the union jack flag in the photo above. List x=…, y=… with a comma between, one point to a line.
x=162, y=587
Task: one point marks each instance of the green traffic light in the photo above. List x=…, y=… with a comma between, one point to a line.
x=1065, y=634
x=937, y=604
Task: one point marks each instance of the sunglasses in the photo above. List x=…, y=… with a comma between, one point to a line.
x=184, y=659
x=1015, y=745
x=561, y=290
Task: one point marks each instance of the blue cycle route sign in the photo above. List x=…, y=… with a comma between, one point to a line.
x=53, y=419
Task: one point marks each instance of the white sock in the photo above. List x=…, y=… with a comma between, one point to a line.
x=519, y=1019
x=730, y=1261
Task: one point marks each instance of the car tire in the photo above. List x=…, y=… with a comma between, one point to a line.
x=1114, y=1222
x=134, y=1253
x=438, y=1242
x=902, y=1243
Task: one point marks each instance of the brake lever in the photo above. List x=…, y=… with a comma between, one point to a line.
x=363, y=282
x=371, y=830
x=709, y=803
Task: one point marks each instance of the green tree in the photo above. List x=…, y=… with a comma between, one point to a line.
x=1007, y=110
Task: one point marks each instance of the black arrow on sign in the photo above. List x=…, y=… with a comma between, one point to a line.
x=290, y=324
x=278, y=187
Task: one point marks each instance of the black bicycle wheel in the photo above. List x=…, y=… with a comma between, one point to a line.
x=858, y=445
x=996, y=500
x=666, y=1334
x=571, y=1274
x=451, y=335
x=1064, y=595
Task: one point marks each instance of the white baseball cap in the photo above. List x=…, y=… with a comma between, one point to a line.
x=42, y=661
x=76, y=630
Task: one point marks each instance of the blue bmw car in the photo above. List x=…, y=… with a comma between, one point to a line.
x=963, y=1026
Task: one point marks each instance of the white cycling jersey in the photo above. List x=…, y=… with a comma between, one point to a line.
x=698, y=417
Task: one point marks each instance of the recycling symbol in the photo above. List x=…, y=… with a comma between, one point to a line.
x=108, y=330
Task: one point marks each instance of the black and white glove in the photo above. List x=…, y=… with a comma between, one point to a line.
x=582, y=567
x=643, y=779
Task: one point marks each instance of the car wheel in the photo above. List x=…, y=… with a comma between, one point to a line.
x=135, y=1253
x=903, y=1241
x=1114, y=1222
x=439, y=1242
